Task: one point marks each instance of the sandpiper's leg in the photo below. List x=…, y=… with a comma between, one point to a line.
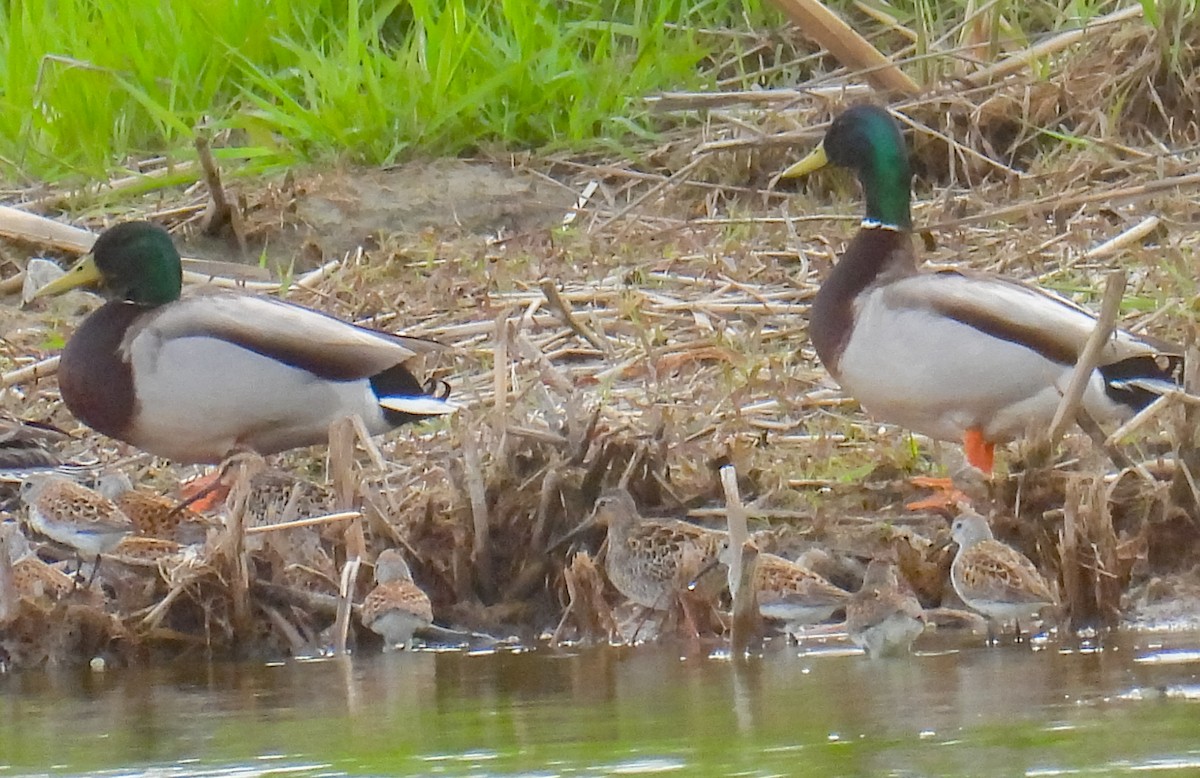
x=95, y=569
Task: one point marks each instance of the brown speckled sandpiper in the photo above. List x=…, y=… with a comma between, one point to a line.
x=884, y=617
x=993, y=578
x=396, y=607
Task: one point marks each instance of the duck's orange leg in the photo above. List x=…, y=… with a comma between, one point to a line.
x=980, y=453
x=946, y=496
x=204, y=493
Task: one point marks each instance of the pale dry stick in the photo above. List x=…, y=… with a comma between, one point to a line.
x=741, y=582
x=675, y=178
x=559, y=307
x=13, y=284
x=1054, y=202
x=549, y=374
x=345, y=486
x=220, y=212
x=314, y=521
x=38, y=370
x=310, y=279
x=239, y=556
x=735, y=515
x=1085, y=365
x=481, y=543
x=368, y=443
x=1124, y=238
x=953, y=145
x=581, y=202
x=887, y=20
x=500, y=374
x=1139, y=420
x=32, y=228
x=114, y=186
x=670, y=102
x=847, y=46
x=341, y=623
x=1050, y=46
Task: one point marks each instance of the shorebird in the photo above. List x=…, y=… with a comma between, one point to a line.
x=651, y=561
x=884, y=617
x=74, y=515
x=155, y=515
x=993, y=578
x=24, y=445
x=396, y=607
x=789, y=592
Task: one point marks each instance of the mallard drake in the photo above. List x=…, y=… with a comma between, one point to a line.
x=954, y=355
x=198, y=377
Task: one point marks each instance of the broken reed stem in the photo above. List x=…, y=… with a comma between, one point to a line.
x=1114, y=289
x=481, y=543
x=341, y=624
x=239, y=557
x=221, y=213
x=847, y=46
x=741, y=581
x=345, y=487
x=500, y=376
x=1049, y=46
x=38, y=370
x=1124, y=238
x=314, y=521
x=559, y=307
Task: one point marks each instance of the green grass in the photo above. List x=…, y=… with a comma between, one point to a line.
x=87, y=84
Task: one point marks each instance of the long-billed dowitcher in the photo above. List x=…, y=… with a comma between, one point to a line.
x=396, y=607
x=993, y=578
x=651, y=561
x=884, y=617
x=72, y=514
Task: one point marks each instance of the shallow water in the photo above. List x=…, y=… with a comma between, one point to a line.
x=817, y=709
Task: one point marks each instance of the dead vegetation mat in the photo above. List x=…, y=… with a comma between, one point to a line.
x=647, y=316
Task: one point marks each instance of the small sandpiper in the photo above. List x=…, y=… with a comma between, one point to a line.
x=74, y=515
x=790, y=593
x=396, y=607
x=993, y=578
x=652, y=561
x=884, y=617
x=155, y=515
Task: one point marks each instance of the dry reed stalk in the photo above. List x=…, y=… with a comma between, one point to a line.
x=238, y=557
x=1088, y=556
x=1051, y=46
x=847, y=46
x=221, y=214
x=12, y=284
x=746, y=624
x=314, y=521
x=345, y=478
x=481, y=541
x=38, y=370
x=1089, y=357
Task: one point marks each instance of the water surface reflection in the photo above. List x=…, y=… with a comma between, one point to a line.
x=958, y=711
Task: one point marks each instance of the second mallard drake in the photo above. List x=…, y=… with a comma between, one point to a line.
x=199, y=377
x=954, y=355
